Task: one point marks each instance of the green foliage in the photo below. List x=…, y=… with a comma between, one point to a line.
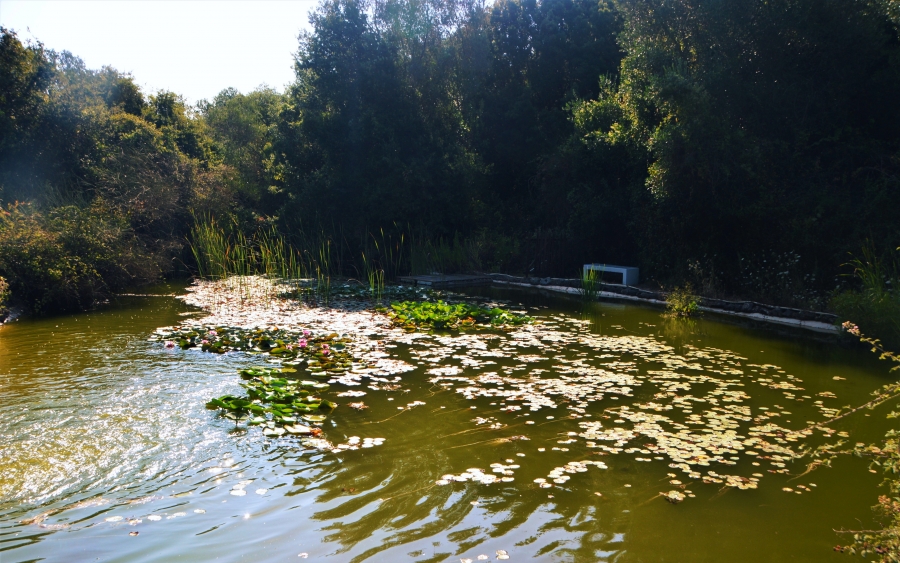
x=681, y=302
x=875, y=306
x=428, y=255
x=440, y=115
x=69, y=258
x=222, y=251
x=274, y=401
x=882, y=543
x=245, y=128
x=589, y=285
x=87, y=146
x=440, y=315
x=755, y=126
x=4, y=297
x=774, y=277
x=276, y=398
x=25, y=75
x=374, y=277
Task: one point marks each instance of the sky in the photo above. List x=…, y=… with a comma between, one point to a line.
x=195, y=48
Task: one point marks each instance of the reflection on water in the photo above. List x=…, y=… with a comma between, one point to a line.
x=109, y=454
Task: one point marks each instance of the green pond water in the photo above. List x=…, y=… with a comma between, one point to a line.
x=108, y=454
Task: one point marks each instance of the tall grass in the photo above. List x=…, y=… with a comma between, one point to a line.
x=875, y=305
x=589, y=285
x=374, y=277
x=210, y=247
x=429, y=255
x=221, y=251
x=222, y=248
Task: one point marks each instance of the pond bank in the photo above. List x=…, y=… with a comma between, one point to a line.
x=811, y=320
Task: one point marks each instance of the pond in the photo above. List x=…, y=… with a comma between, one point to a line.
x=551, y=441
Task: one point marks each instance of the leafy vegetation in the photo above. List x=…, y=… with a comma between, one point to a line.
x=681, y=302
x=69, y=258
x=883, y=543
x=589, y=285
x=875, y=305
x=276, y=398
x=4, y=298
x=441, y=315
x=279, y=404
x=107, y=176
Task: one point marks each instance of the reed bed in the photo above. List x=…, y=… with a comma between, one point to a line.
x=306, y=263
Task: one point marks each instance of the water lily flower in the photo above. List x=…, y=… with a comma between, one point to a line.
x=213, y=333
x=301, y=343
x=204, y=342
x=306, y=333
x=170, y=344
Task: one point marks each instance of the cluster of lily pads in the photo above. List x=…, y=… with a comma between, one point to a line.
x=439, y=314
x=276, y=399
x=279, y=404
x=364, y=292
x=279, y=342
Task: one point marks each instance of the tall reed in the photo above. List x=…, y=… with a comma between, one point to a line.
x=589, y=286
x=210, y=247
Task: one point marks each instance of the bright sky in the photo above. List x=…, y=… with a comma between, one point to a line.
x=195, y=48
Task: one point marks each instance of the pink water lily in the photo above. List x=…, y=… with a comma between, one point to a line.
x=170, y=344
x=213, y=333
x=301, y=343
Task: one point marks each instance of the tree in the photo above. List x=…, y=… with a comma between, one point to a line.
x=765, y=126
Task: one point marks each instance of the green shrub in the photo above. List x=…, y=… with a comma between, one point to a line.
x=68, y=258
x=4, y=297
x=875, y=306
x=681, y=302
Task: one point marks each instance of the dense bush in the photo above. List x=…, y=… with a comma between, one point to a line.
x=874, y=303
x=69, y=258
x=4, y=298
